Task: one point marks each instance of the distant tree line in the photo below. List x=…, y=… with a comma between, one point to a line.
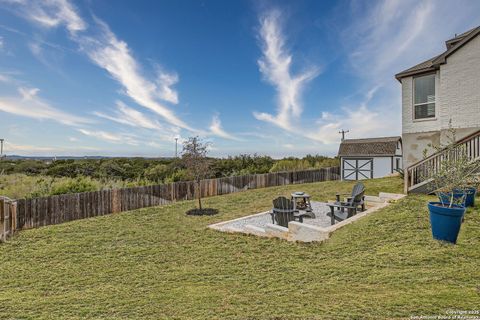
x=144, y=170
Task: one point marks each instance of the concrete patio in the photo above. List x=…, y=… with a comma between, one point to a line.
x=312, y=229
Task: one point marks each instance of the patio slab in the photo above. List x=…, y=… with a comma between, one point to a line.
x=261, y=220
x=312, y=229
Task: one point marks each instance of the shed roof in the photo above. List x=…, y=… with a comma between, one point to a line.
x=385, y=146
x=434, y=63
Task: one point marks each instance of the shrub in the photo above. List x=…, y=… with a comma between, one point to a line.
x=157, y=172
x=179, y=175
x=75, y=186
x=290, y=165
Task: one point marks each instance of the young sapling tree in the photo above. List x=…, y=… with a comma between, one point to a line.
x=195, y=160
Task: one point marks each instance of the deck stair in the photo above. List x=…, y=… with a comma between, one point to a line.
x=417, y=177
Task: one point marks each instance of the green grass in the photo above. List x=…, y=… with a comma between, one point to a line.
x=158, y=263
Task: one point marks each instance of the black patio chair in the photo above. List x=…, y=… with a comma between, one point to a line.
x=355, y=201
x=282, y=212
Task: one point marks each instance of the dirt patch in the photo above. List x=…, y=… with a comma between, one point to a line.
x=203, y=212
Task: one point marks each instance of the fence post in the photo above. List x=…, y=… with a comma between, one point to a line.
x=13, y=217
x=115, y=201
x=8, y=218
x=2, y=220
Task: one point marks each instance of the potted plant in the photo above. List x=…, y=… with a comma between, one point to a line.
x=470, y=193
x=451, y=177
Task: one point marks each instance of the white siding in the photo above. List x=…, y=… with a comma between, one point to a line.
x=382, y=166
x=400, y=163
x=409, y=125
x=399, y=151
x=460, y=87
x=457, y=95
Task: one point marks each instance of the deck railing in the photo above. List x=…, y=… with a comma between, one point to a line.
x=422, y=171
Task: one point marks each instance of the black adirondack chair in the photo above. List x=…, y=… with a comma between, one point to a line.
x=282, y=212
x=354, y=202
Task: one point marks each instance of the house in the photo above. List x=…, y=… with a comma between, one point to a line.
x=443, y=89
x=370, y=158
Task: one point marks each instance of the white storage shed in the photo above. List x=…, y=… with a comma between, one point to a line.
x=370, y=158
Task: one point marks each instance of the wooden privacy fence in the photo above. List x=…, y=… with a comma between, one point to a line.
x=8, y=218
x=36, y=212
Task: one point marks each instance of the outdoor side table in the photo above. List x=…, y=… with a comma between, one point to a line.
x=304, y=199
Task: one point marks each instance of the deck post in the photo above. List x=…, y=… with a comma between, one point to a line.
x=406, y=177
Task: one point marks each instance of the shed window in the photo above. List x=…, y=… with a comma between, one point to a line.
x=424, y=96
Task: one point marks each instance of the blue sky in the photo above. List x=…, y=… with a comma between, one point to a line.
x=270, y=77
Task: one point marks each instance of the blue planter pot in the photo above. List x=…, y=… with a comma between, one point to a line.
x=457, y=197
x=470, y=196
x=445, y=221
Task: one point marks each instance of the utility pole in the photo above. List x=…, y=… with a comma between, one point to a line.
x=343, y=132
x=1, y=148
x=176, y=147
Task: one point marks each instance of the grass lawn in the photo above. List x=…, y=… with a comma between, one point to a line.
x=158, y=263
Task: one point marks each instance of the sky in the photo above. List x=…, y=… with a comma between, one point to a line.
x=278, y=78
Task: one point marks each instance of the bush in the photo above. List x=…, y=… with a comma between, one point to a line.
x=241, y=165
x=157, y=173
x=308, y=162
x=290, y=165
x=75, y=186
x=30, y=167
x=179, y=175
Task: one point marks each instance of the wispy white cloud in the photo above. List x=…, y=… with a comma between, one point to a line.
x=126, y=115
x=35, y=48
x=114, y=55
x=15, y=148
x=104, y=49
x=4, y=49
x=361, y=122
x=31, y=106
x=111, y=137
x=165, y=82
x=4, y=78
x=49, y=58
x=130, y=117
x=51, y=13
x=217, y=129
x=28, y=93
x=382, y=35
x=275, y=65
x=382, y=39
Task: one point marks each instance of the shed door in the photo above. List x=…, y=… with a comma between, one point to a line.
x=357, y=169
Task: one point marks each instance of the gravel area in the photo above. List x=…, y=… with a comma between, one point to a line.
x=319, y=208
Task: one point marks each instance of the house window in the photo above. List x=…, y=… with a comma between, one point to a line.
x=397, y=163
x=424, y=97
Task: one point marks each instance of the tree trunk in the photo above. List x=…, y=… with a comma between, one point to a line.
x=199, y=195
